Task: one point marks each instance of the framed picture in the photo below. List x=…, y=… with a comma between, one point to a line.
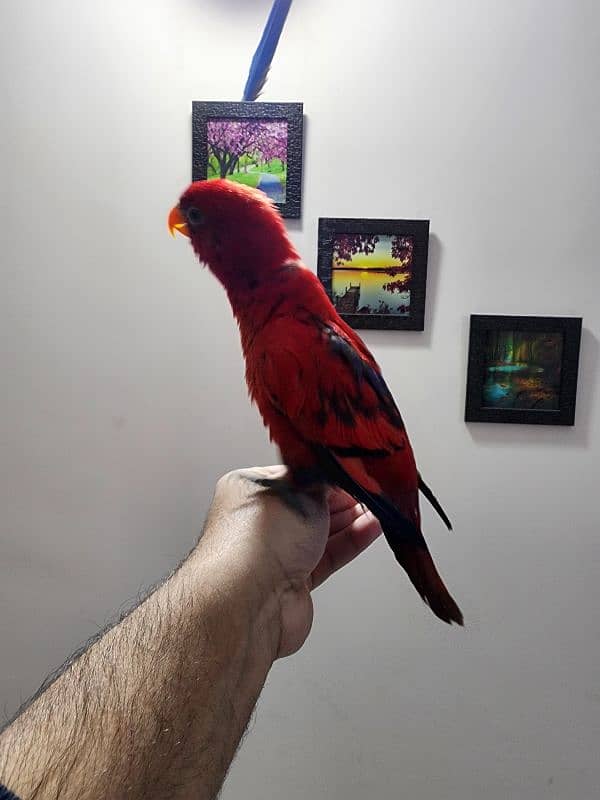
x=259, y=144
x=375, y=271
x=523, y=369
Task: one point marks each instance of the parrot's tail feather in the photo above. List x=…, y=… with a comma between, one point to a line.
x=385, y=511
x=424, y=576
x=435, y=503
x=404, y=538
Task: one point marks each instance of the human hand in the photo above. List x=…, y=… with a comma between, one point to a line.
x=284, y=552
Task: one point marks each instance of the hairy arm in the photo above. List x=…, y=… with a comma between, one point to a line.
x=157, y=706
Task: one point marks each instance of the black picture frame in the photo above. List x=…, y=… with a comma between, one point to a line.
x=418, y=230
x=203, y=111
x=481, y=326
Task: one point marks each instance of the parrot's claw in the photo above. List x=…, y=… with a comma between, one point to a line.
x=289, y=493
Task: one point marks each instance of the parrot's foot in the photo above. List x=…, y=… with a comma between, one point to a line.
x=292, y=492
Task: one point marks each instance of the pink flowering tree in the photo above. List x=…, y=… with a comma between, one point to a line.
x=272, y=141
x=402, y=249
x=229, y=140
x=347, y=245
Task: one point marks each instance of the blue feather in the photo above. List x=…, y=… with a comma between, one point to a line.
x=265, y=51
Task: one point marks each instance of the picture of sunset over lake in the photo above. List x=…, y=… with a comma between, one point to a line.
x=371, y=274
x=375, y=270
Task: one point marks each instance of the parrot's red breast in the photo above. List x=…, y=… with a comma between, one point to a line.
x=317, y=386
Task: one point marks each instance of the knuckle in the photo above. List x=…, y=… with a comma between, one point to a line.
x=227, y=479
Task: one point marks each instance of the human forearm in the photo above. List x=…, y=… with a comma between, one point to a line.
x=156, y=708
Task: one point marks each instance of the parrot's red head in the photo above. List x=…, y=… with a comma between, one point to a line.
x=235, y=230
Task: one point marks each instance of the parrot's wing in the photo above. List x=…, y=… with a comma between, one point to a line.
x=325, y=381
x=331, y=394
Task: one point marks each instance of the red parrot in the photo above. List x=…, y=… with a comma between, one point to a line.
x=318, y=388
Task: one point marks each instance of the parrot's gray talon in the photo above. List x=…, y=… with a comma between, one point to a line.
x=283, y=489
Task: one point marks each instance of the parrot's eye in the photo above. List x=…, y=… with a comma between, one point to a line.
x=194, y=217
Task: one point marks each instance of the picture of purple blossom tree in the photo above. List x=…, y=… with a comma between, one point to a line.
x=253, y=152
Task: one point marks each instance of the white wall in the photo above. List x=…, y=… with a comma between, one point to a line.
x=122, y=395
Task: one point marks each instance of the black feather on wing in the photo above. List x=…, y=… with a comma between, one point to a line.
x=393, y=522
x=363, y=371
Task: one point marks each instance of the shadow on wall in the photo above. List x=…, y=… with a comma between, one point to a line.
x=523, y=436
x=256, y=6
x=237, y=6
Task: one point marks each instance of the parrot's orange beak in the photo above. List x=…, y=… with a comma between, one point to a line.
x=177, y=222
